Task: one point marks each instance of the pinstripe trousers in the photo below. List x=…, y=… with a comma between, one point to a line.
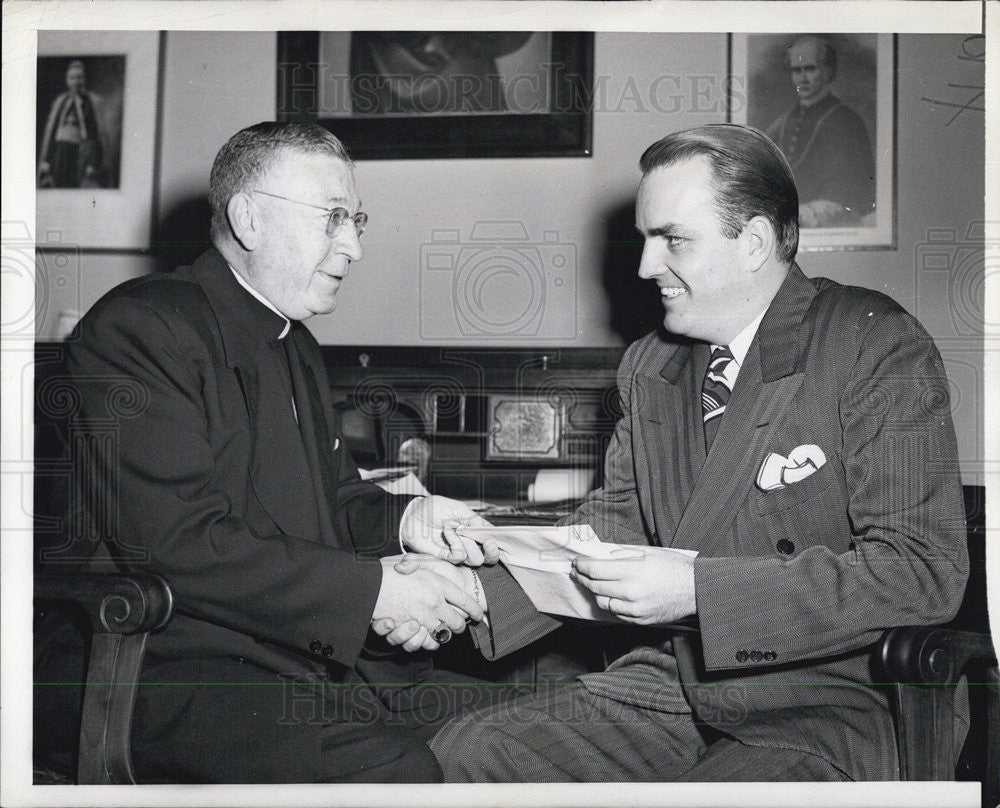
x=565, y=733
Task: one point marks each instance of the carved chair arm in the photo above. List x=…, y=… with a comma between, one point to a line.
x=114, y=603
x=932, y=655
x=925, y=664
x=123, y=609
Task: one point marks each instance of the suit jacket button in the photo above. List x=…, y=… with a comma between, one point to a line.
x=785, y=547
x=770, y=656
x=756, y=656
x=327, y=651
x=315, y=646
x=742, y=656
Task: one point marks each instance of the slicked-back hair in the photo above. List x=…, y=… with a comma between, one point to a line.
x=750, y=177
x=248, y=155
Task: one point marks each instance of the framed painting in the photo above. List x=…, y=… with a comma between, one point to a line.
x=96, y=134
x=441, y=94
x=828, y=101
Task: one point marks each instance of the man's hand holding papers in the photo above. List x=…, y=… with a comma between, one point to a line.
x=656, y=590
x=569, y=571
x=429, y=525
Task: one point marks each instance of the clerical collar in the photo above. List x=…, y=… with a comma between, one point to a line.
x=242, y=282
x=740, y=344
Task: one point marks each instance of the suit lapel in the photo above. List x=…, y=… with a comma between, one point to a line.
x=318, y=449
x=279, y=469
x=670, y=435
x=695, y=498
x=730, y=469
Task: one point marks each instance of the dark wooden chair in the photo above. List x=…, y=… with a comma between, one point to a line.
x=940, y=673
x=121, y=610
x=925, y=665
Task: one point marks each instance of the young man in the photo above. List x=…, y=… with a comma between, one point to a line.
x=796, y=433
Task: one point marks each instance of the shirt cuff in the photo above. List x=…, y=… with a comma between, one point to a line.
x=402, y=521
x=479, y=593
x=477, y=589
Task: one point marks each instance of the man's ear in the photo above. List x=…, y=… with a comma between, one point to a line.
x=244, y=221
x=760, y=241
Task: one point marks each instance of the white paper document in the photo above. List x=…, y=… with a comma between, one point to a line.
x=386, y=473
x=407, y=484
x=540, y=559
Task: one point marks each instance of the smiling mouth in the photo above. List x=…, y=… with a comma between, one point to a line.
x=670, y=292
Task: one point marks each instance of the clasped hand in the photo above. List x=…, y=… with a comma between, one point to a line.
x=428, y=526
x=652, y=589
x=418, y=593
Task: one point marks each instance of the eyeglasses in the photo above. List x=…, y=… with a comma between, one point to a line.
x=338, y=216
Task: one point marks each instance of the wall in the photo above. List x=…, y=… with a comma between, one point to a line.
x=215, y=83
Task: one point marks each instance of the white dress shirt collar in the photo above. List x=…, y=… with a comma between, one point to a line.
x=739, y=346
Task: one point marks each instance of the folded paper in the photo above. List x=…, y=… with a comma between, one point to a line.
x=540, y=559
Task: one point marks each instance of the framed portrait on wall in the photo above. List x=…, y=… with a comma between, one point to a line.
x=434, y=94
x=95, y=138
x=828, y=101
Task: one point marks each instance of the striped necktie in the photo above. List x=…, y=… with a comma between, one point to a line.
x=715, y=392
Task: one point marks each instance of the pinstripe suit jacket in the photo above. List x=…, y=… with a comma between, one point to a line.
x=873, y=539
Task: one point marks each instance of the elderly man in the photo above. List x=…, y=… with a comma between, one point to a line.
x=825, y=141
x=227, y=475
x=795, y=433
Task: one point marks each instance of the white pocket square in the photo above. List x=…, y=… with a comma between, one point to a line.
x=779, y=472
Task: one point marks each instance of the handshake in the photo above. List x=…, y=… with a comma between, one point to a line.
x=432, y=591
